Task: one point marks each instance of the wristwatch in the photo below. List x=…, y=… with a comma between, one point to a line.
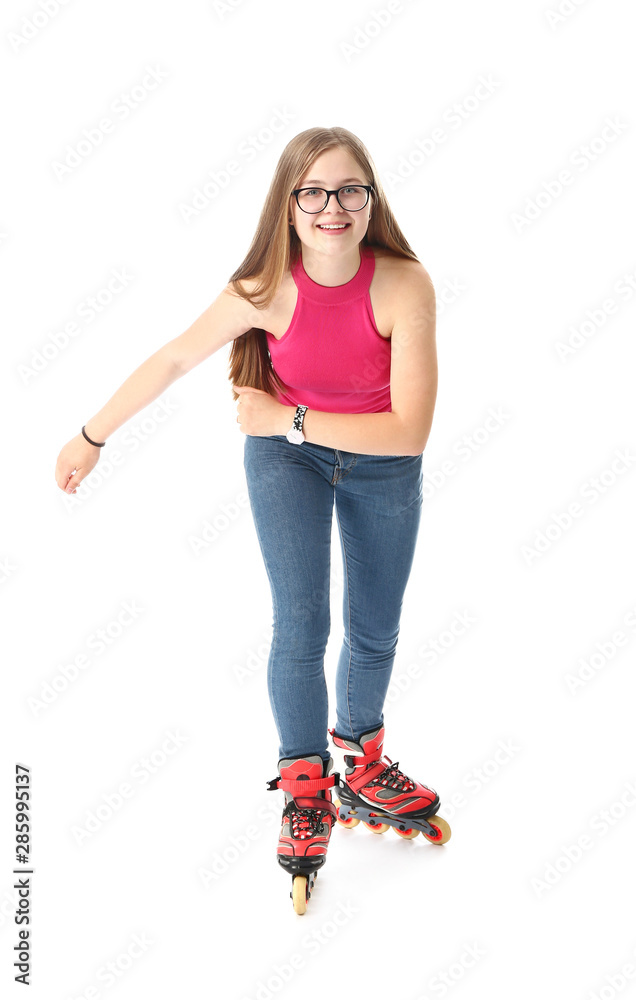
x=295, y=433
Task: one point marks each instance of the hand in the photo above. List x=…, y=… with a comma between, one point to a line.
x=76, y=459
x=259, y=414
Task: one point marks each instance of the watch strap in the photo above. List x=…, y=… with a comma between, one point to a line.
x=299, y=417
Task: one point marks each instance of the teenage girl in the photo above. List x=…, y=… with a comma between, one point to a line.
x=334, y=370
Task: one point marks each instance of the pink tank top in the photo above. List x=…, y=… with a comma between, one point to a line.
x=332, y=357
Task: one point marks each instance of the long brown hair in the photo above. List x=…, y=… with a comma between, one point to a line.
x=275, y=247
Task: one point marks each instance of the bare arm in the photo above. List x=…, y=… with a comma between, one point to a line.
x=148, y=381
x=405, y=430
x=228, y=317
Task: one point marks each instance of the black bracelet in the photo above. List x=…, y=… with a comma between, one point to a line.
x=92, y=442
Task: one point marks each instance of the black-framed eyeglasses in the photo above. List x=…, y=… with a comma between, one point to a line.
x=351, y=197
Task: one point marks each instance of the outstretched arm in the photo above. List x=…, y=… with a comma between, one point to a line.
x=228, y=317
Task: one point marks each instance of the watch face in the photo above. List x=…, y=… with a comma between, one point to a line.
x=295, y=437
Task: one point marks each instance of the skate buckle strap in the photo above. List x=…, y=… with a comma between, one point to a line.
x=303, y=787
x=367, y=758
x=379, y=771
x=319, y=805
x=363, y=775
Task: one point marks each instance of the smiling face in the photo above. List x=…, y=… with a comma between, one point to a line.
x=332, y=169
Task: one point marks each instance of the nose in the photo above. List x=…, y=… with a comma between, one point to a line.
x=337, y=207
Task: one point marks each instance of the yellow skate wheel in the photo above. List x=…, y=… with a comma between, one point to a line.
x=443, y=830
x=299, y=893
x=347, y=823
x=406, y=834
x=379, y=828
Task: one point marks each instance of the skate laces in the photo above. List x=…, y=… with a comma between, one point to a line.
x=392, y=777
x=305, y=823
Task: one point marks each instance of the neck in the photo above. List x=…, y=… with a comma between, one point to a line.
x=328, y=270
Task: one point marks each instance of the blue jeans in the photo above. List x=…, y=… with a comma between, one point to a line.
x=378, y=500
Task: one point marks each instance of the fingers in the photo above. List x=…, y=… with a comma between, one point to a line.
x=74, y=462
x=71, y=482
x=67, y=479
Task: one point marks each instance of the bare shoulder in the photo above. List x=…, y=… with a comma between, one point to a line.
x=401, y=269
x=251, y=285
x=248, y=284
x=405, y=292
x=243, y=305
x=276, y=315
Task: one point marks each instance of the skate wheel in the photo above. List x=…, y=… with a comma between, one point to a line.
x=299, y=893
x=406, y=834
x=348, y=823
x=378, y=828
x=442, y=829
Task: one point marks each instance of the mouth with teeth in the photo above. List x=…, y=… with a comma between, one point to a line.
x=333, y=227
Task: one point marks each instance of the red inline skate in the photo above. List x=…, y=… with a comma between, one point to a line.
x=307, y=822
x=374, y=790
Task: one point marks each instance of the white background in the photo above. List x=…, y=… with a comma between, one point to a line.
x=186, y=863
